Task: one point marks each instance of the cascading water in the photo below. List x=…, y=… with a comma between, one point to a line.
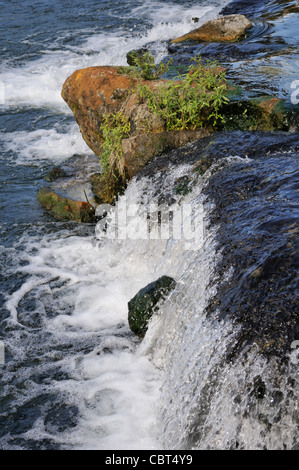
x=214, y=397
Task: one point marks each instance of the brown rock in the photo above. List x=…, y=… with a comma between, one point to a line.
x=96, y=91
x=225, y=29
x=138, y=150
x=92, y=92
x=64, y=208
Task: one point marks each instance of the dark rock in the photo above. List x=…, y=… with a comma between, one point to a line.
x=259, y=388
x=182, y=186
x=55, y=174
x=257, y=232
x=144, y=304
x=106, y=188
x=132, y=55
x=264, y=114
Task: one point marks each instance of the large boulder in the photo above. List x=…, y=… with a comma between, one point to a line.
x=94, y=92
x=145, y=303
x=229, y=28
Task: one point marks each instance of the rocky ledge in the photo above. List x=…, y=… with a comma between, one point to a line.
x=94, y=92
x=224, y=29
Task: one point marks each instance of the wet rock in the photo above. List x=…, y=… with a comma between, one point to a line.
x=182, y=185
x=225, y=29
x=257, y=228
x=132, y=55
x=65, y=208
x=97, y=91
x=92, y=92
x=259, y=388
x=264, y=114
x=138, y=150
x=145, y=303
x=106, y=187
x=55, y=174
x=270, y=9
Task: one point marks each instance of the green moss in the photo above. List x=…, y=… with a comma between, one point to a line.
x=64, y=208
x=182, y=186
x=55, y=174
x=106, y=186
x=145, y=303
x=203, y=165
x=234, y=92
x=264, y=114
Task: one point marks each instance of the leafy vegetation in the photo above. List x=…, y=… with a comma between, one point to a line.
x=115, y=128
x=191, y=101
x=144, y=66
x=148, y=69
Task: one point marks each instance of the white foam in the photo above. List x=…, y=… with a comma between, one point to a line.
x=116, y=392
x=45, y=145
x=38, y=83
x=117, y=395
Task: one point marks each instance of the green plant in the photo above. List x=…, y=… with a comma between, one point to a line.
x=144, y=67
x=115, y=128
x=195, y=98
x=148, y=69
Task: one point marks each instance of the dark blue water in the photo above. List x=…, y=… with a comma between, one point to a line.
x=73, y=377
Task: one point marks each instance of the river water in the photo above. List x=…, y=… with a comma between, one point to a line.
x=74, y=376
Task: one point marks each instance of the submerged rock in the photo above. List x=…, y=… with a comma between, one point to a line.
x=55, y=174
x=266, y=113
x=225, y=29
x=64, y=208
x=144, y=304
x=259, y=8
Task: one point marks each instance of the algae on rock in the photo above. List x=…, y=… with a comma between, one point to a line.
x=145, y=303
